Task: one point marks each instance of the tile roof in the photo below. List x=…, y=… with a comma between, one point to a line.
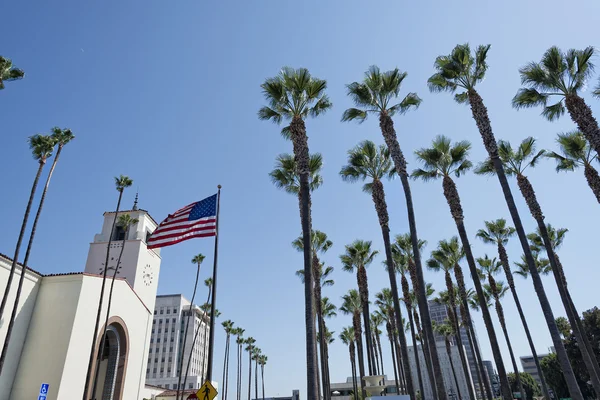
x=167, y=393
x=19, y=264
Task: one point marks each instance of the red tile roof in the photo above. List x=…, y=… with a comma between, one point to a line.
x=19, y=264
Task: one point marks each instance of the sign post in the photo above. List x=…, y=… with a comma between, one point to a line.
x=44, y=391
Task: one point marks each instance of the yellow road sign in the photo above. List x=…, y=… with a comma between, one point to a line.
x=207, y=391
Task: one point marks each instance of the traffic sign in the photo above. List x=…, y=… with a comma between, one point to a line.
x=207, y=391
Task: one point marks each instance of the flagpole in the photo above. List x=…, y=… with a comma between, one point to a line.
x=213, y=303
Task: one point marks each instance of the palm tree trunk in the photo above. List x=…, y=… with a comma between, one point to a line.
x=593, y=179
x=376, y=353
x=320, y=323
x=239, y=372
x=100, y=301
x=378, y=195
x=511, y=283
x=391, y=337
x=262, y=375
x=389, y=134
x=582, y=115
x=13, y=267
x=327, y=373
x=363, y=289
x=482, y=391
x=300, y=145
x=249, y=372
x=448, y=350
x=580, y=326
x=416, y=351
x=13, y=314
x=453, y=199
x=226, y=367
x=359, y=344
x=536, y=211
x=256, y=378
x=400, y=362
x=425, y=348
x=318, y=375
x=466, y=316
x=482, y=120
x=378, y=338
x=352, y=351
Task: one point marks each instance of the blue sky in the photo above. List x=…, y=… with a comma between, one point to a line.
x=167, y=93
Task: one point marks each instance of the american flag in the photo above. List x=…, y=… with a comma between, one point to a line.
x=192, y=221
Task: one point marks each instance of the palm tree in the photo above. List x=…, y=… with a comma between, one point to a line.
x=352, y=305
x=369, y=161
x=445, y=258
x=293, y=95
x=320, y=245
x=262, y=361
x=461, y=70
x=384, y=300
x=498, y=233
x=229, y=329
x=441, y=161
x=61, y=137
x=358, y=256
x=208, y=282
x=347, y=337
x=126, y=222
x=239, y=333
x=577, y=153
x=285, y=175
x=197, y=260
x=515, y=163
x=328, y=310
x=488, y=267
x=563, y=75
x=376, y=321
x=256, y=353
x=377, y=94
x=8, y=72
x=121, y=182
x=447, y=331
x=249, y=348
x=41, y=147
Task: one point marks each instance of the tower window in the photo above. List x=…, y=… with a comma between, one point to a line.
x=119, y=233
x=148, y=234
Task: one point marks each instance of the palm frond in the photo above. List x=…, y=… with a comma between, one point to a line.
x=352, y=114
x=486, y=168
x=526, y=98
x=410, y=101
x=555, y=111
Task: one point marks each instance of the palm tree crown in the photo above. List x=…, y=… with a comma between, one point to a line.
x=377, y=94
x=542, y=265
x=515, y=161
x=447, y=255
x=62, y=136
x=8, y=72
x=358, y=254
x=41, y=147
x=443, y=159
x=351, y=303
x=496, y=232
x=347, y=335
x=198, y=259
x=122, y=182
x=459, y=70
x=575, y=150
x=557, y=74
x=367, y=160
x=488, y=266
x=285, y=175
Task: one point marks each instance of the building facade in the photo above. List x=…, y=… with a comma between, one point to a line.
x=171, y=314
x=528, y=364
x=55, y=319
x=492, y=376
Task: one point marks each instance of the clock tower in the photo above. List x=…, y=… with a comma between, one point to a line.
x=137, y=264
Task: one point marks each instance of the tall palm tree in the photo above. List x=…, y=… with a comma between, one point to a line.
x=239, y=333
x=294, y=95
x=285, y=175
x=121, y=183
x=378, y=94
x=384, y=300
x=250, y=348
x=196, y=260
x=462, y=70
x=497, y=232
x=446, y=329
x=368, y=161
x=41, y=147
x=563, y=75
x=543, y=265
x=488, y=267
x=515, y=163
x=348, y=338
x=229, y=329
x=442, y=160
x=577, y=153
x=262, y=361
x=352, y=305
x=61, y=137
x=8, y=72
x=445, y=259
x=320, y=245
x=358, y=256
x=376, y=321
x=126, y=222
x=208, y=282
x=328, y=310
x=256, y=353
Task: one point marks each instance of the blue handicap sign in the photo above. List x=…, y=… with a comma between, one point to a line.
x=42, y=397
x=44, y=391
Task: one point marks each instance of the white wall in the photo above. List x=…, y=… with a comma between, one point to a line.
x=29, y=293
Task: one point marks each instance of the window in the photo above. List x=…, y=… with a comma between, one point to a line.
x=152, y=330
x=119, y=233
x=172, y=339
x=159, y=330
x=162, y=311
x=154, y=370
x=174, y=312
x=160, y=320
x=162, y=360
x=157, y=340
x=191, y=385
x=148, y=235
x=171, y=348
x=148, y=371
x=170, y=360
x=173, y=320
x=169, y=370
x=156, y=360
x=167, y=386
x=162, y=370
x=151, y=340
x=168, y=311
x=154, y=312
x=150, y=350
x=173, y=329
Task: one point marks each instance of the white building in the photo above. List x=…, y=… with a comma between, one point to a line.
x=168, y=326
x=52, y=336
x=449, y=382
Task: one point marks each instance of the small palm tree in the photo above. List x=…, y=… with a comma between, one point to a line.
x=249, y=348
x=352, y=305
x=577, y=153
x=446, y=329
x=488, y=267
x=60, y=137
x=376, y=321
x=347, y=337
x=463, y=70
x=229, y=329
x=8, y=72
x=262, y=361
x=294, y=95
x=256, y=353
x=378, y=94
x=328, y=310
x=497, y=232
x=563, y=75
x=369, y=162
x=385, y=302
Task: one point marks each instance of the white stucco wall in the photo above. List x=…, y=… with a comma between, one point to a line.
x=25, y=309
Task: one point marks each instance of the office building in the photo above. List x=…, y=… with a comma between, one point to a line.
x=171, y=314
x=528, y=364
x=492, y=376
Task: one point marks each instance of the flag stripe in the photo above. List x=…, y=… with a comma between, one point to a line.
x=162, y=235
x=185, y=225
x=165, y=243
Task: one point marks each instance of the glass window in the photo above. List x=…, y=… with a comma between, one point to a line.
x=154, y=312
x=148, y=236
x=160, y=321
x=173, y=320
x=159, y=330
x=191, y=385
x=119, y=233
x=154, y=370
x=150, y=350
x=168, y=311
x=157, y=340
x=174, y=312
x=162, y=311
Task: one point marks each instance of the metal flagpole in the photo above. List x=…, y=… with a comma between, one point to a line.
x=213, y=304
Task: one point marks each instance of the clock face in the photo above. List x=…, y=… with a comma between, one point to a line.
x=148, y=275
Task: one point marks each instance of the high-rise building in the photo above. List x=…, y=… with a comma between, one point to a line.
x=171, y=314
x=491, y=375
x=528, y=364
